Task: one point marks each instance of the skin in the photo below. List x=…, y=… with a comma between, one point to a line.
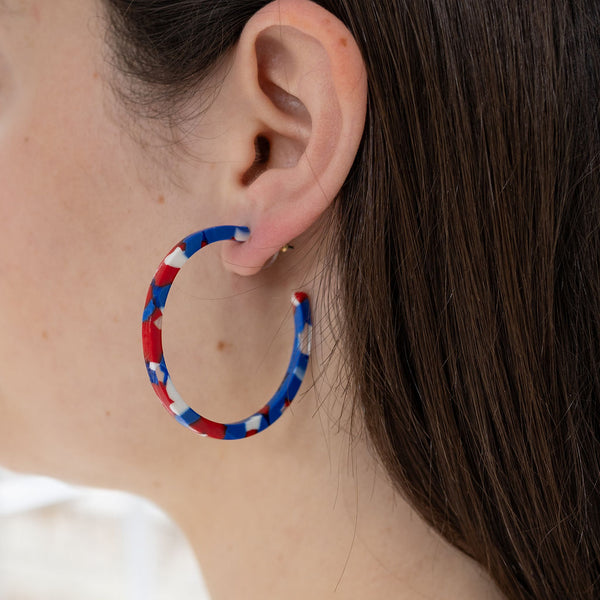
x=92, y=199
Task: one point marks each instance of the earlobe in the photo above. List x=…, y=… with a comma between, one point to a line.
x=304, y=86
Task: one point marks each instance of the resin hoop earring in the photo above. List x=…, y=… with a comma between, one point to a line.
x=155, y=360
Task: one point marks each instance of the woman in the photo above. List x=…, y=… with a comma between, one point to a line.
x=425, y=172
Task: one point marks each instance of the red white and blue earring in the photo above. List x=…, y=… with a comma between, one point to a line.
x=155, y=360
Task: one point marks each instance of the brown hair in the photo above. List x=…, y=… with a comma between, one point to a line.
x=472, y=322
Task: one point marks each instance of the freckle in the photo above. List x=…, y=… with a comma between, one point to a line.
x=343, y=41
x=44, y=335
x=26, y=140
x=161, y=199
x=222, y=346
x=107, y=413
x=96, y=75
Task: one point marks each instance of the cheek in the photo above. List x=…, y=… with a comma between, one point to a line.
x=72, y=285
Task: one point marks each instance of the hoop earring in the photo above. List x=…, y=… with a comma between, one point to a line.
x=155, y=360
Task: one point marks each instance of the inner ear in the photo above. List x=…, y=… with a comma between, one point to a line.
x=284, y=141
x=262, y=154
x=273, y=150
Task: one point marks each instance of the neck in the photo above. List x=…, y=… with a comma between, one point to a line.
x=296, y=512
x=302, y=509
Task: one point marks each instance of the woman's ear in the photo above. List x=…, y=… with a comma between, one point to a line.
x=298, y=87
